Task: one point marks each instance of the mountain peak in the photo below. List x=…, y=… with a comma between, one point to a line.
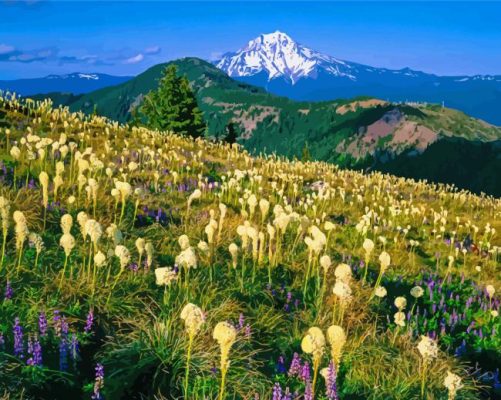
x=276, y=38
x=278, y=55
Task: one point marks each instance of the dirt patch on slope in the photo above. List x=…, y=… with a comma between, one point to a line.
x=359, y=104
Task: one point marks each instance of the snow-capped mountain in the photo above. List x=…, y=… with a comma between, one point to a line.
x=280, y=56
x=286, y=68
x=75, y=83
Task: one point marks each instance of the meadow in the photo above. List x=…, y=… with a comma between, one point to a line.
x=139, y=264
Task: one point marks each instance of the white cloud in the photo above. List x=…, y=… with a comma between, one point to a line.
x=4, y=48
x=134, y=60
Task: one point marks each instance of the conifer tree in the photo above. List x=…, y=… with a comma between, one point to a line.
x=173, y=106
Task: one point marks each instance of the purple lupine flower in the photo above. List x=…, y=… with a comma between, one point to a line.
x=305, y=372
x=63, y=354
x=277, y=392
x=308, y=391
x=56, y=321
x=281, y=365
x=89, y=322
x=18, y=339
x=37, y=353
x=287, y=395
x=288, y=297
x=133, y=267
x=248, y=331
x=330, y=384
x=42, y=324
x=8, y=291
x=295, y=367
x=241, y=321
x=98, y=383
x=64, y=326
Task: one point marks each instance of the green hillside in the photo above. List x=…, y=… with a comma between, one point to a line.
x=358, y=133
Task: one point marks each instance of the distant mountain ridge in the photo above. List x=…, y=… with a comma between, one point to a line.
x=74, y=83
x=440, y=144
x=284, y=67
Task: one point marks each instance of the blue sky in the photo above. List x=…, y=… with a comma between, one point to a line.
x=38, y=38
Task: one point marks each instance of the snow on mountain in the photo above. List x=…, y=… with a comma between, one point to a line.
x=279, y=56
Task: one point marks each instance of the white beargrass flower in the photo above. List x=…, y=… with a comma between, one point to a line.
x=400, y=303
x=380, y=291
x=337, y=338
x=123, y=255
x=67, y=242
x=343, y=273
x=453, y=383
x=417, y=291
x=164, y=276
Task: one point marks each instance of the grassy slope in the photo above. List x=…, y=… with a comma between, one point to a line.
x=275, y=124
x=137, y=332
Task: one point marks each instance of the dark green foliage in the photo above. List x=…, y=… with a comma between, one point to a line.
x=173, y=106
x=263, y=122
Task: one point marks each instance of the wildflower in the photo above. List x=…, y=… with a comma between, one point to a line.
x=44, y=181
x=42, y=324
x=314, y=343
x=380, y=291
x=295, y=367
x=343, y=291
x=140, y=246
x=98, y=383
x=8, y=291
x=399, y=318
x=123, y=255
x=4, y=214
x=277, y=392
x=165, y=276
x=417, y=291
x=99, y=259
x=429, y=350
x=343, y=273
x=225, y=334
x=400, y=303
x=368, y=247
x=149, y=254
x=21, y=230
x=453, y=383
x=94, y=231
x=187, y=258
x=193, y=318
x=184, y=242
x=337, y=340
x=264, y=206
x=384, y=261
x=18, y=339
x=89, y=322
x=66, y=223
x=490, y=290
x=325, y=263
x=329, y=375
x=36, y=354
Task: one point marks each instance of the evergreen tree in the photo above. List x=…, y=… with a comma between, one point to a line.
x=232, y=134
x=305, y=154
x=173, y=106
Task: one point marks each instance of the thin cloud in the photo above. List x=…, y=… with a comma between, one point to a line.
x=10, y=53
x=134, y=60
